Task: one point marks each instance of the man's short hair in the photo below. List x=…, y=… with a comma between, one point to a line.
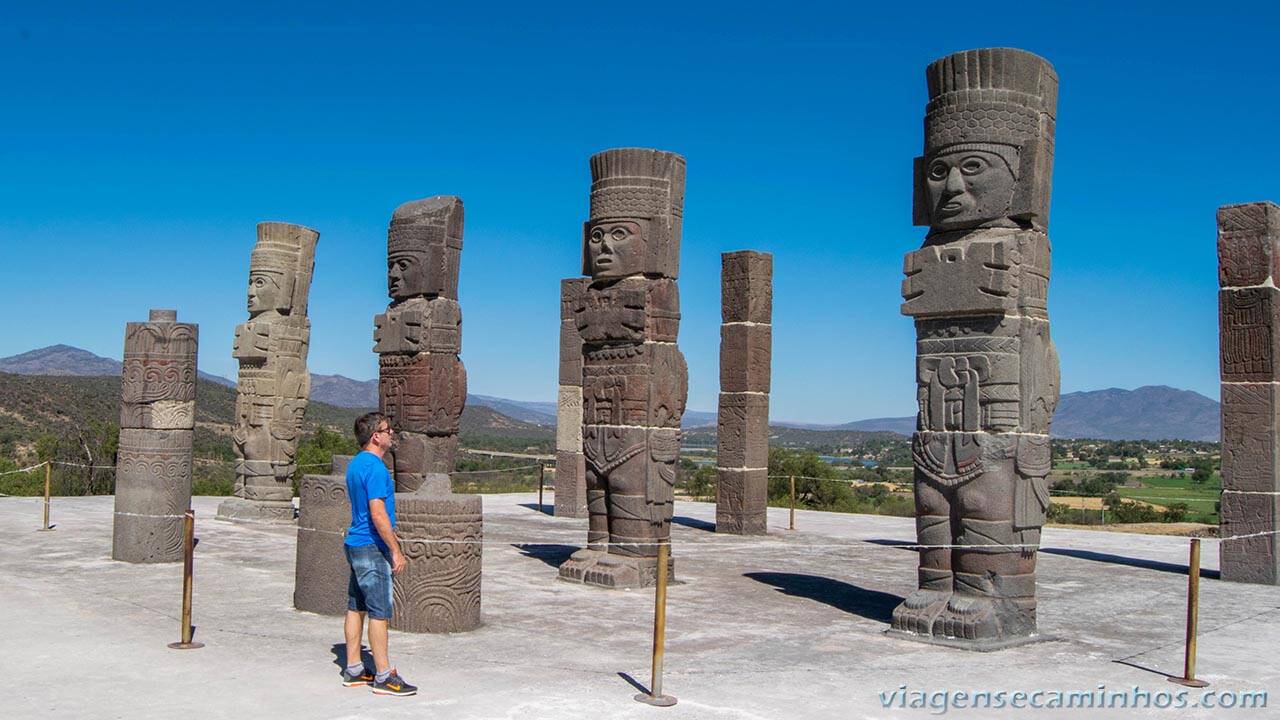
x=366, y=425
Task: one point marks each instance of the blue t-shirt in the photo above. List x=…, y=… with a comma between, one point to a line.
x=368, y=479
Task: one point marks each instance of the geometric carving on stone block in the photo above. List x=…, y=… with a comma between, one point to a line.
x=419, y=454
x=745, y=357
x=570, y=354
x=422, y=393
x=746, y=278
x=633, y=309
x=569, y=418
x=1002, y=272
x=1249, y=441
x=642, y=384
x=1248, y=244
x=158, y=379
x=1247, y=334
x=320, y=569
x=419, y=325
x=742, y=498
x=743, y=431
x=439, y=589
x=571, y=484
x=153, y=490
x=1252, y=559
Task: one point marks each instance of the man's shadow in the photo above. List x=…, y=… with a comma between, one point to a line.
x=339, y=651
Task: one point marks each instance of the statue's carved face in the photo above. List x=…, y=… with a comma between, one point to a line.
x=406, y=275
x=615, y=248
x=968, y=187
x=266, y=292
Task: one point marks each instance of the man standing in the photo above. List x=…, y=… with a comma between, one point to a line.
x=373, y=552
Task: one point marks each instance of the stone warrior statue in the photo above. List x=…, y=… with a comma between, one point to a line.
x=986, y=370
x=274, y=383
x=634, y=378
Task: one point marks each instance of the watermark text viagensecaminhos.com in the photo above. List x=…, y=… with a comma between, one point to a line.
x=940, y=702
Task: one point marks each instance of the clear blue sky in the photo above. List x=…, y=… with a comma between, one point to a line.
x=141, y=145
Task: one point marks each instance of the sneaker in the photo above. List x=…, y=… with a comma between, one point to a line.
x=394, y=685
x=364, y=678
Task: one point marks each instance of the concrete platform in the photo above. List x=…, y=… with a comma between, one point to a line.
x=788, y=626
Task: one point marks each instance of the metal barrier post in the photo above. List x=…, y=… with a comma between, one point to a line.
x=48, y=482
x=655, y=696
x=188, y=561
x=1193, y=619
x=542, y=471
x=793, y=503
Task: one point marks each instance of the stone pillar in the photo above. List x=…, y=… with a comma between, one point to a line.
x=746, y=348
x=986, y=370
x=571, y=480
x=157, y=418
x=634, y=378
x=1249, y=307
x=422, y=388
x=324, y=514
x=273, y=384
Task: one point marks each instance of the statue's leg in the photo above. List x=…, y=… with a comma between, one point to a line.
x=933, y=528
x=631, y=541
x=994, y=596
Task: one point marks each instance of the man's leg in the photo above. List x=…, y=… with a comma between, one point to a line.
x=353, y=628
x=378, y=645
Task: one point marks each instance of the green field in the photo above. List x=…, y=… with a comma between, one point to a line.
x=1201, y=498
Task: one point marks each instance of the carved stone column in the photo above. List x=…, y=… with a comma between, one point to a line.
x=986, y=370
x=274, y=384
x=422, y=388
x=1249, y=307
x=634, y=378
x=571, y=479
x=157, y=417
x=324, y=514
x=742, y=436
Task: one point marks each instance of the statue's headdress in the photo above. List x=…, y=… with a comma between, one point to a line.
x=432, y=230
x=1000, y=100
x=641, y=184
x=289, y=252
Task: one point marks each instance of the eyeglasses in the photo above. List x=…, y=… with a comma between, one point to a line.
x=386, y=430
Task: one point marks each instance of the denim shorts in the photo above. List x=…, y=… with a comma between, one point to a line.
x=369, y=586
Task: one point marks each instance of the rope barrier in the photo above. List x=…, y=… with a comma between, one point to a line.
x=25, y=469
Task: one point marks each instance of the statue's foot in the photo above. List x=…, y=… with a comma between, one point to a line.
x=616, y=572
x=579, y=564
x=968, y=617
x=918, y=611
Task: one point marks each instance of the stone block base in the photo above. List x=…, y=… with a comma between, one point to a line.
x=1252, y=559
x=439, y=589
x=147, y=538
x=264, y=511
x=571, y=484
x=320, y=576
x=607, y=570
x=742, y=501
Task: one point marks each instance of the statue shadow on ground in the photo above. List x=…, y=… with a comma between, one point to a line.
x=870, y=604
x=553, y=555
x=694, y=523
x=545, y=508
x=339, y=651
x=1176, y=568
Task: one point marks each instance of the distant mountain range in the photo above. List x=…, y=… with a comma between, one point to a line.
x=1153, y=412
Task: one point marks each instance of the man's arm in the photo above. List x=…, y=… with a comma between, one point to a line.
x=382, y=523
